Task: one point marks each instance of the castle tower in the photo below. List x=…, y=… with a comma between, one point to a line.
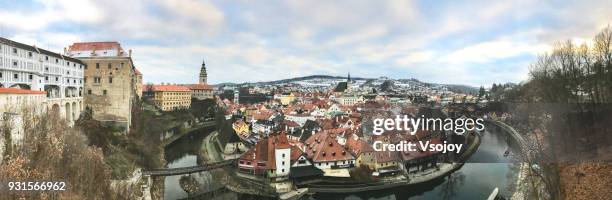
x=236, y=96
x=203, y=75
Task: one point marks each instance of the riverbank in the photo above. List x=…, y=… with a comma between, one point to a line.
x=525, y=182
x=402, y=179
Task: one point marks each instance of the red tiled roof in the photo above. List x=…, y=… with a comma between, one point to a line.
x=291, y=123
x=322, y=147
x=357, y=145
x=166, y=88
x=199, y=87
x=262, y=115
x=386, y=156
x=296, y=152
x=20, y=91
x=410, y=155
x=90, y=46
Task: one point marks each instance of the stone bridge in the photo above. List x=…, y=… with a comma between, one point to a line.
x=187, y=170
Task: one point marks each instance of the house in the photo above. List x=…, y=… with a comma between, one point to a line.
x=299, y=118
x=230, y=143
x=325, y=152
x=421, y=159
x=334, y=109
x=363, y=152
x=255, y=160
x=241, y=128
x=263, y=126
x=386, y=162
x=302, y=170
x=275, y=158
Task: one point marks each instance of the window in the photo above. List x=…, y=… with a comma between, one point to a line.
x=109, y=66
x=110, y=79
x=85, y=80
x=30, y=76
x=56, y=79
x=97, y=65
x=67, y=80
x=0, y=74
x=30, y=54
x=88, y=91
x=104, y=92
x=85, y=66
x=46, y=78
x=14, y=63
x=15, y=50
x=16, y=76
x=96, y=79
x=47, y=58
x=56, y=60
x=46, y=69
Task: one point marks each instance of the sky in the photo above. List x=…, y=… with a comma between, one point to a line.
x=457, y=42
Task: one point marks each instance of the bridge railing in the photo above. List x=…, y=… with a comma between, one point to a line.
x=186, y=170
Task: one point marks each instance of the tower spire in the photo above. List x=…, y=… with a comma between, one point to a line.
x=348, y=79
x=203, y=75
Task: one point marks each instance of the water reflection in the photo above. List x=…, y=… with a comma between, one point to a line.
x=185, y=153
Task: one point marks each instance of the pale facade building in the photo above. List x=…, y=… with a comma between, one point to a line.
x=349, y=100
x=14, y=103
x=32, y=68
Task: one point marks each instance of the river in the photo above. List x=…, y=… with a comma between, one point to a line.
x=487, y=169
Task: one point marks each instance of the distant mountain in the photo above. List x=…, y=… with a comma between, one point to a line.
x=367, y=81
x=289, y=80
x=465, y=89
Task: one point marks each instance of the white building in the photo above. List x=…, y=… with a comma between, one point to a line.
x=31, y=68
x=349, y=100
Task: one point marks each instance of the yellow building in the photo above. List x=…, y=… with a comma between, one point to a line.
x=169, y=97
x=285, y=98
x=362, y=151
x=241, y=128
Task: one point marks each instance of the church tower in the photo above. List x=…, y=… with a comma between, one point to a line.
x=348, y=82
x=203, y=75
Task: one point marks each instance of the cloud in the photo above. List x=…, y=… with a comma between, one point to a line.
x=364, y=34
x=415, y=57
x=61, y=11
x=475, y=43
x=493, y=50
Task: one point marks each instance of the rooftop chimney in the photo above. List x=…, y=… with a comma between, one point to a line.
x=130, y=53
